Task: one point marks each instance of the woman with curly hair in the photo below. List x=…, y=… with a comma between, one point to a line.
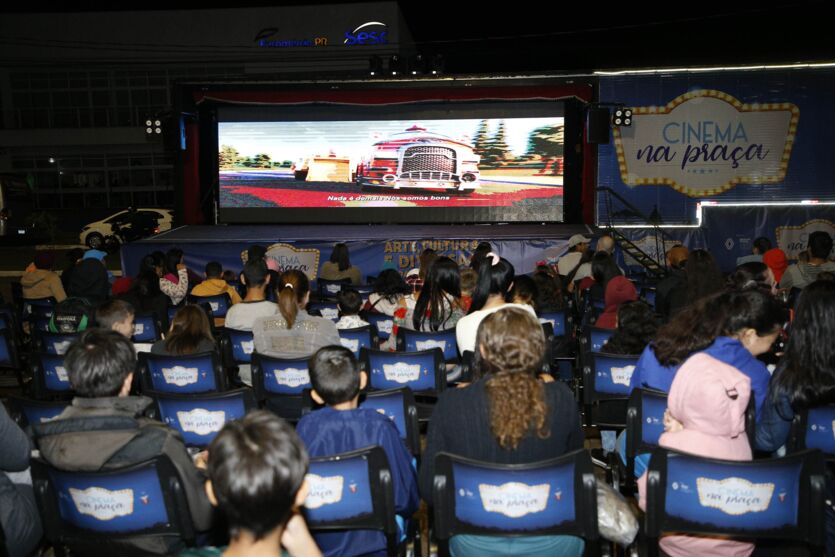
x=509, y=415
x=637, y=325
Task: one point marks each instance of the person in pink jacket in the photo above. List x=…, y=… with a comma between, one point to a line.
x=706, y=417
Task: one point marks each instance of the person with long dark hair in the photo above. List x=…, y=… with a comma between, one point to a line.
x=292, y=332
x=437, y=307
x=145, y=294
x=339, y=267
x=495, y=279
x=548, y=292
x=637, y=326
x=703, y=279
x=754, y=274
x=174, y=279
x=734, y=327
x=805, y=375
x=603, y=269
x=508, y=415
x=480, y=254
x=389, y=287
x=190, y=333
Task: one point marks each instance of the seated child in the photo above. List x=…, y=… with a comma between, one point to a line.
x=349, y=302
x=706, y=417
x=256, y=470
x=214, y=285
x=341, y=427
x=116, y=315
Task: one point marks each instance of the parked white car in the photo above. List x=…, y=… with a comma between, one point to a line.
x=94, y=234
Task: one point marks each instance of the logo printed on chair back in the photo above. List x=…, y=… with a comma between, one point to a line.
x=138, y=329
x=734, y=496
x=820, y=429
x=430, y=344
x=101, y=503
x=292, y=377
x=401, y=372
x=333, y=288
x=248, y=346
x=323, y=490
x=202, y=421
x=61, y=372
x=385, y=326
x=329, y=313
x=622, y=375
x=180, y=376
x=352, y=344
x=215, y=306
x=61, y=347
x=514, y=499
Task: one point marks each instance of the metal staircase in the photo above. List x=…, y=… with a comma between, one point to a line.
x=630, y=213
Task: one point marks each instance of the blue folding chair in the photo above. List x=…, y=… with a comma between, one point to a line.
x=606, y=388
x=219, y=303
x=279, y=384
x=197, y=373
x=594, y=338
x=328, y=289
x=423, y=372
x=558, y=320
x=54, y=343
x=199, y=418
x=146, y=328
x=409, y=340
x=648, y=295
x=399, y=406
x=26, y=411
x=49, y=376
x=777, y=499
x=99, y=513
x=38, y=307
x=237, y=346
x=384, y=323
x=552, y=497
x=352, y=491
x=814, y=428
x=359, y=337
x=328, y=310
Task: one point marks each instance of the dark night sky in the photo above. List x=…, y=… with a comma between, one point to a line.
x=561, y=36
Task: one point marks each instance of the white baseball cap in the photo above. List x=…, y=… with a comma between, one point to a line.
x=577, y=239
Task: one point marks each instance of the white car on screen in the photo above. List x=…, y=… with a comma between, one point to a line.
x=94, y=234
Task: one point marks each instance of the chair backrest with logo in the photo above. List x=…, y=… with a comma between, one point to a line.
x=99, y=512
x=594, y=338
x=423, y=372
x=359, y=337
x=558, y=321
x=399, y=406
x=279, y=383
x=28, y=412
x=196, y=373
x=328, y=310
x=238, y=346
x=352, y=491
x=38, y=307
x=146, y=328
x=644, y=424
x=219, y=303
x=814, y=428
x=557, y=496
x=606, y=388
x=199, y=418
x=328, y=289
x=781, y=498
x=49, y=376
x=54, y=343
x=383, y=322
x=409, y=340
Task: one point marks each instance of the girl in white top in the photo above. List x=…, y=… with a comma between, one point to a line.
x=495, y=279
x=174, y=283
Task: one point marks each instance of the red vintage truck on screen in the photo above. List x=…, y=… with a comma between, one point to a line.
x=417, y=158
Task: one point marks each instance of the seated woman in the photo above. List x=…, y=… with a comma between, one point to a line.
x=174, y=278
x=436, y=307
x=388, y=289
x=339, y=267
x=508, y=415
x=637, y=325
x=190, y=333
x=293, y=333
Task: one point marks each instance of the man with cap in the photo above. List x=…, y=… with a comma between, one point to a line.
x=40, y=281
x=577, y=245
x=604, y=243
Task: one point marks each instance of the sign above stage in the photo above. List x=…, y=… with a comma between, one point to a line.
x=705, y=142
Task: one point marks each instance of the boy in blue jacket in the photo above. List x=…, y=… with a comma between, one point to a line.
x=341, y=427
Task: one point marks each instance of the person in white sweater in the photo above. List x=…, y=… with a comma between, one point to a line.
x=495, y=279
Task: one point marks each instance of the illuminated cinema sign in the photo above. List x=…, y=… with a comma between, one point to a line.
x=706, y=142
x=369, y=33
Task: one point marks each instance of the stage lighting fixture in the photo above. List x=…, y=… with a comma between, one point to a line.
x=622, y=116
x=375, y=65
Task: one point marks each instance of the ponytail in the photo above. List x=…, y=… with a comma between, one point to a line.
x=292, y=286
x=495, y=275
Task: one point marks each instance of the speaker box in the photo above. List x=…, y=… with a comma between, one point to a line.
x=597, y=125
